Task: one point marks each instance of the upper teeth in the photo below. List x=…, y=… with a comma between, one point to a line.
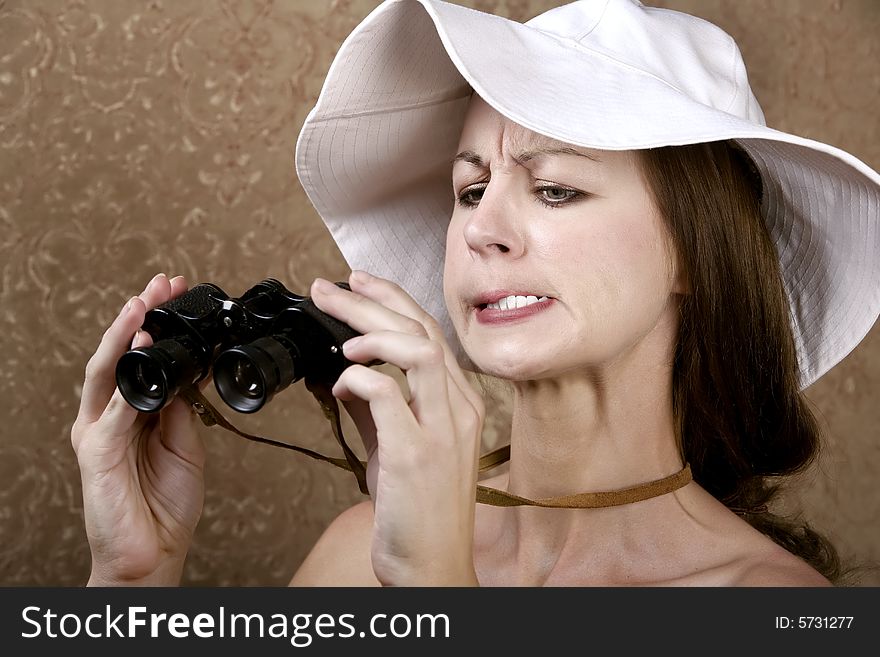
x=513, y=302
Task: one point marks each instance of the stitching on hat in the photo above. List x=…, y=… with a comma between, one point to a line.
x=836, y=342
x=730, y=40
x=567, y=41
x=733, y=58
x=824, y=342
x=763, y=154
x=813, y=353
x=446, y=98
x=596, y=24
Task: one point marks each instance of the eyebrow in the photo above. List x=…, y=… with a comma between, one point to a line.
x=472, y=158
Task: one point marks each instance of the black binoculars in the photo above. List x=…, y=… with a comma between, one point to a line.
x=255, y=345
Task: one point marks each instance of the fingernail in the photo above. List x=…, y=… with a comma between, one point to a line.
x=153, y=280
x=174, y=279
x=325, y=286
x=350, y=344
x=361, y=276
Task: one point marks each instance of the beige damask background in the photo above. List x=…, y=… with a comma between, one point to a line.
x=147, y=136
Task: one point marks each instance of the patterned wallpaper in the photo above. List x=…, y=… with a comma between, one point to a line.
x=147, y=136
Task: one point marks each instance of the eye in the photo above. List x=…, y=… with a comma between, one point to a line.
x=553, y=196
x=470, y=197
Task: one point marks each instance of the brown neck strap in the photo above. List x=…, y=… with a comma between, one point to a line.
x=210, y=416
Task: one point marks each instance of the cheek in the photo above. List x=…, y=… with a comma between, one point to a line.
x=622, y=275
x=636, y=256
x=636, y=250
x=610, y=254
x=452, y=268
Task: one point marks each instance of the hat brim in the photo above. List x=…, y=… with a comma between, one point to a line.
x=374, y=157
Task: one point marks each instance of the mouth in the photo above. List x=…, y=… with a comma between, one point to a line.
x=504, y=307
x=512, y=301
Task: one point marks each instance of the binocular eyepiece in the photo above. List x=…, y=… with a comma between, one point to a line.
x=254, y=345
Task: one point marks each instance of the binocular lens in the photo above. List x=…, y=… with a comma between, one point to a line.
x=248, y=381
x=142, y=380
x=149, y=377
x=248, y=376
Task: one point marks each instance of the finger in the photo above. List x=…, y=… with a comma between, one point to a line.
x=178, y=286
x=116, y=420
x=390, y=308
x=359, y=312
x=425, y=366
x=155, y=295
x=157, y=292
x=396, y=426
x=100, y=376
x=179, y=433
x=141, y=339
x=395, y=298
x=359, y=411
x=435, y=400
x=205, y=382
x=391, y=414
x=390, y=295
x=177, y=422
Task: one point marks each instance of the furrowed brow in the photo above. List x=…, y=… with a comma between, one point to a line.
x=475, y=160
x=553, y=150
x=471, y=158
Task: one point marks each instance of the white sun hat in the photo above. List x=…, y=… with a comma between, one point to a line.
x=374, y=155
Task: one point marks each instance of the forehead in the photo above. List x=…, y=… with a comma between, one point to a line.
x=485, y=129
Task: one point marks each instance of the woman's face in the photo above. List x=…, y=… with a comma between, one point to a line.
x=538, y=218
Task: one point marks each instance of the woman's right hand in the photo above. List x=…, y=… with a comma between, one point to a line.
x=142, y=474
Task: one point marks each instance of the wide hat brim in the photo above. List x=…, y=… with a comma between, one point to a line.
x=374, y=157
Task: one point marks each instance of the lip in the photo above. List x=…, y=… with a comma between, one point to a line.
x=498, y=316
x=491, y=296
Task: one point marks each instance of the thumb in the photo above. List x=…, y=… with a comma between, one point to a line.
x=373, y=466
x=180, y=432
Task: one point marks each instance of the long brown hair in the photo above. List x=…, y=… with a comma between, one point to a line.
x=741, y=419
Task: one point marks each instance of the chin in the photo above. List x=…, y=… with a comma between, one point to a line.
x=510, y=367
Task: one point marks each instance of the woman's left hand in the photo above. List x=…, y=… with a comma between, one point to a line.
x=422, y=451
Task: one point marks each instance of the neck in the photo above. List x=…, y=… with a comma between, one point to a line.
x=584, y=432
x=591, y=431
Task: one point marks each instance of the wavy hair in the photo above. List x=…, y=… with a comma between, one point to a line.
x=741, y=419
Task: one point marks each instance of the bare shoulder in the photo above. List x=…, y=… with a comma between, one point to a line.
x=341, y=557
x=779, y=568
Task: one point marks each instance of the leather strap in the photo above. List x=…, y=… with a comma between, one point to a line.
x=210, y=416
x=591, y=500
x=331, y=411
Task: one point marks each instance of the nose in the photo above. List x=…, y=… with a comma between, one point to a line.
x=492, y=226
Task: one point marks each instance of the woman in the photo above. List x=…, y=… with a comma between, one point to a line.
x=655, y=272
